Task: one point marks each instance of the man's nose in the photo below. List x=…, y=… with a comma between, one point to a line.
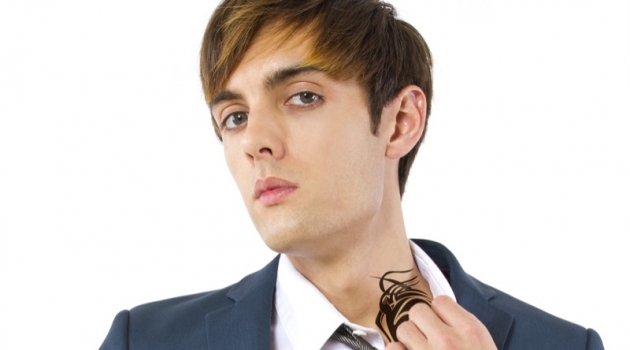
x=264, y=135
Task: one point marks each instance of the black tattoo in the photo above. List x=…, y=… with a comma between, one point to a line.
x=396, y=302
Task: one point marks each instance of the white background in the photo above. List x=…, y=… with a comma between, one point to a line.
x=114, y=191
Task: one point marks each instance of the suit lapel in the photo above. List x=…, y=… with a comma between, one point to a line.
x=245, y=322
x=471, y=294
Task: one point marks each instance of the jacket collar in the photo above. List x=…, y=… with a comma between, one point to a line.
x=245, y=323
x=471, y=294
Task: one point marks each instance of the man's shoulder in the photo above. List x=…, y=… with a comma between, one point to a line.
x=532, y=326
x=211, y=300
x=512, y=322
x=525, y=312
x=184, y=306
x=183, y=322
x=167, y=323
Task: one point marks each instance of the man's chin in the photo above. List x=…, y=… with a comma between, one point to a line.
x=291, y=234
x=286, y=240
x=284, y=243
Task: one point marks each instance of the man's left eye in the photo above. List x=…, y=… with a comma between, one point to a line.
x=303, y=99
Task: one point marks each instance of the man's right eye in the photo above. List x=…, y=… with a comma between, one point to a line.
x=234, y=120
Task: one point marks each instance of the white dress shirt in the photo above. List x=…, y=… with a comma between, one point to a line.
x=304, y=319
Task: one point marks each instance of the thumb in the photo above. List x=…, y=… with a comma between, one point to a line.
x=395, y=346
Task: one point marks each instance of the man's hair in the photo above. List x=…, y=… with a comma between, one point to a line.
x=351, y=39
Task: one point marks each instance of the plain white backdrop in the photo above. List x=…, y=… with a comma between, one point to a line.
x=114, y=191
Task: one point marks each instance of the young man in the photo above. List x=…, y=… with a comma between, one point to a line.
x=321, y=106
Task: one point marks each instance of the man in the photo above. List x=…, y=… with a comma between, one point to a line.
x=321, y=106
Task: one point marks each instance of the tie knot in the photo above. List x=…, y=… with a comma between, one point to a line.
x=344, y=334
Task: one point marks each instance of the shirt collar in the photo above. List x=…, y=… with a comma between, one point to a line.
x=431, y=272
x=309, y=319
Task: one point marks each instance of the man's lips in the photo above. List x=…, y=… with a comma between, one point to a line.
x=272, y=190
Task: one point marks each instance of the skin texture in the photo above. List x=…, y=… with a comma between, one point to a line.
x=319, y=186
x=321, y=148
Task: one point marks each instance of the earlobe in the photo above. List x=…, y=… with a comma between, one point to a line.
x=410, y=109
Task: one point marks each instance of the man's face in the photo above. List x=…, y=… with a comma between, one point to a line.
x=300, y=149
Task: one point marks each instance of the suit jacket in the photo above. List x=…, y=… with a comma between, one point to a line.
x=239, y=316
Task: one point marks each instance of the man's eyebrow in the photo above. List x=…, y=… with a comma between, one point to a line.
x=280, y=76
x=225, y=95
x=274, y=79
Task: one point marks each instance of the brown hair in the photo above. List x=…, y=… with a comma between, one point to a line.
x=359, y=39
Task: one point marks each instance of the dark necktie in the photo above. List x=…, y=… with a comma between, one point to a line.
x=344, y=334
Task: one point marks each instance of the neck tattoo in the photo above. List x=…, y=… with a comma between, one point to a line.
x=396, y=301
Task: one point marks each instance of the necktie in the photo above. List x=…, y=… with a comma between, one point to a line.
x=344, y=334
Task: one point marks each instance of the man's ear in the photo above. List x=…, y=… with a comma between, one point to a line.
x=407, y=120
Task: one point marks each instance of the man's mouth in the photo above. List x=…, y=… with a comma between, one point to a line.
x=272, y=190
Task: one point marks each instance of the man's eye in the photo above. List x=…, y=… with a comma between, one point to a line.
x=234, y=120
x=303, y=99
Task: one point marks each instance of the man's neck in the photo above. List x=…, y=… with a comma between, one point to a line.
x=350, y=279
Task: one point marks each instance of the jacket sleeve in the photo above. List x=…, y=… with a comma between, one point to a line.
x=593, y=340
x=118, y=336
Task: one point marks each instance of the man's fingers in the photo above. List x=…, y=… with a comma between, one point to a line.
x=427, y=321
x=395, y=346
x=443, y=325
x=410, y=336
x=463, y=329
x=451, y=313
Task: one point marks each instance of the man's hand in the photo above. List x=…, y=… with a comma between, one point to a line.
x=442, y=326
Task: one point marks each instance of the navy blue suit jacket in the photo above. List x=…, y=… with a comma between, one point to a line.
x=239, y=316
